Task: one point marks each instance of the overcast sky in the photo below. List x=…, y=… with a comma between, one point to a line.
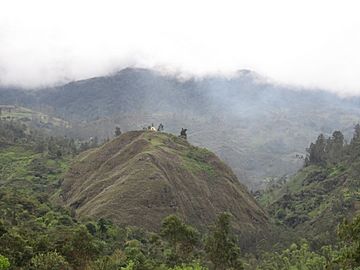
x=305, y=42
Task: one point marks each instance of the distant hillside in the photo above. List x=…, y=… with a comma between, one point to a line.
x=259, y=128
x=315, y=200
x=142, y=176
x=32, y=118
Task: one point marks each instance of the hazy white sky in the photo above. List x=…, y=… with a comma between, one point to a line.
x=305, y=42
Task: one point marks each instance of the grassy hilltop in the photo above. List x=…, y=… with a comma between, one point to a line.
x=142, y=176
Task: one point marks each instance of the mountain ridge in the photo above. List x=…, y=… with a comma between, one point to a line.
x=259, y=129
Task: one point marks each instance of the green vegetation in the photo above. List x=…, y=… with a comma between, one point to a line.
x=345, y=255
x=4, y=263
x=196, y=160
x=315, y=200
x=183, y=240
x=295, y=257
x=33, y=118
x=221, y=248
x=50, y=260
x=37, y=233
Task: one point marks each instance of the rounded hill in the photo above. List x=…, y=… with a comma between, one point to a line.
x=141, y=177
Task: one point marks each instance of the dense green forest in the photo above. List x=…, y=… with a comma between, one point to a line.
x=36, y=233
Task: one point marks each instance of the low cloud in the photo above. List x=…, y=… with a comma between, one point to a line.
x=306, y=43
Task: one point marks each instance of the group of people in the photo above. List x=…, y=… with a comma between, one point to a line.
x=161, y=128
x=152, y=128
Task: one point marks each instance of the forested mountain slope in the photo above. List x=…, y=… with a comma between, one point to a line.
x=36, y=233
x=327, y=190
x=258, y=127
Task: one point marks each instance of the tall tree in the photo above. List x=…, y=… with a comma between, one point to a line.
x=357, y=132
x=316, y=152
x=355, y=143
x=221, y=247
x=182, y=238
x=335, y=147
